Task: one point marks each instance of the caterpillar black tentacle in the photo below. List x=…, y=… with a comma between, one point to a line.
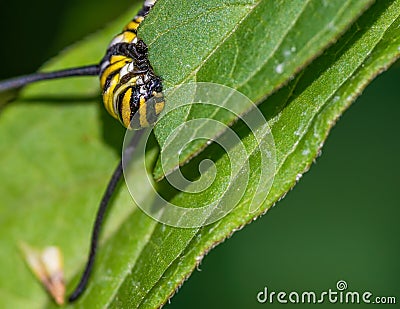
x=132, y=93
x=20, y=81
x=112, y=184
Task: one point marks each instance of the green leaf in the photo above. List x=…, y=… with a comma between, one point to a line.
x=252, y=46
x=59, y=147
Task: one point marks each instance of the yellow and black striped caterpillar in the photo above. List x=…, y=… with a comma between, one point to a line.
x=129, y=83
x=132, y=93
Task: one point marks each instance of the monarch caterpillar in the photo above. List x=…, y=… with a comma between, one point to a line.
x=132, y=93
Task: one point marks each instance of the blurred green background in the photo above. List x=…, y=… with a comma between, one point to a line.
x=341, y=222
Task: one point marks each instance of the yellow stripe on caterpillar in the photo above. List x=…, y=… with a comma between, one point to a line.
x=108, y=97
x=116, y=58
x=132, y=25
x=128, y=37
x=143, y=113
x=111, y=69
x=126, y=108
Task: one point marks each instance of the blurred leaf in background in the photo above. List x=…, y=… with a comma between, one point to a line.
x=35, y=33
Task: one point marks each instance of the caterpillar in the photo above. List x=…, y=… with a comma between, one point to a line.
x=128, y=81
x=131, y=92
